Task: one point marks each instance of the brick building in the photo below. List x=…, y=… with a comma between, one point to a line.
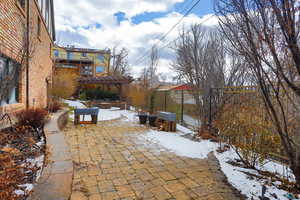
x=90, y=67
x=82, y=62
x=25, y=30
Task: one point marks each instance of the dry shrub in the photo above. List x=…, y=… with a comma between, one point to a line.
x=15, y=169
x=205, y=134
x=246, y=128
x=64, y=85
x=10, y=175
x=54, y=106
x=35, y=118
x=139, y=96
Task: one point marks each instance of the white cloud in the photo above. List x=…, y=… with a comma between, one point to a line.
x=82, y=19
x=85, y=13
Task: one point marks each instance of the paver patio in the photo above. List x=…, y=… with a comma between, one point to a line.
x=111, y=162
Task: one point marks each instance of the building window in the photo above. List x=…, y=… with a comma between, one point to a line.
x=87, y=70
x=69, y=55
x=101, y=58
x=9, y=77
x=100, y=69
x=67, y=66
x=39, y=27
x=22, y=3
x=56, y=53
x=84, y=54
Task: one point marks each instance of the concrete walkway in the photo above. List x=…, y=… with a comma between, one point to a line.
x=111, y=163
x=56, y=180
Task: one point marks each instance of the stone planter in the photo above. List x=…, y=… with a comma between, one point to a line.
x=143, y=118
x=152, y=120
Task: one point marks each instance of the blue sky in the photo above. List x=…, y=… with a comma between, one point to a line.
x=203, y=8
x=134, y=24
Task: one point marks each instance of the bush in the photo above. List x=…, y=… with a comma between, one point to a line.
x=54, y=106
x=35, y=118
x=139, y=96
x=82, y=96
x=64, y=85
x=98, y=94
x=245, y=127
x=205, y=134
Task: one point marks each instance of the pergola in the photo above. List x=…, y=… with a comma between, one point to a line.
x=118, y=81
x=182, y=88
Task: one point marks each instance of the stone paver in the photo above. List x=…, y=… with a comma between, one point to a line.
x=111, y=162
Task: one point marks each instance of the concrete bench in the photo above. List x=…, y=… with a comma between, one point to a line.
x=166, y=121
x=93, y=112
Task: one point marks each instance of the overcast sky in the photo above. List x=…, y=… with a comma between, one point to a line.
x=134, y=24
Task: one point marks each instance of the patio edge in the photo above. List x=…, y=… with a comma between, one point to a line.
x=55, y=182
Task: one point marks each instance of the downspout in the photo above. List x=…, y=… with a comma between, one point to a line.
x=27, y=57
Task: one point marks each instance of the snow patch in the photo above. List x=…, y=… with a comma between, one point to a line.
x=75, y=104
x=104, y=114
x=184, y=129
x=180, y=145
x=252, y=188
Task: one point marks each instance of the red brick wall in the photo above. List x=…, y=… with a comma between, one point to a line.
x=12, y=32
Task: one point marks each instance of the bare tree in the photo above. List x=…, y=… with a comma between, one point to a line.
x=202, y=62
x=152, y=70
x=120, y=64
x=266, y=34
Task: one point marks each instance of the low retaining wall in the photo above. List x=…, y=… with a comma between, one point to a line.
x=106, y=105
x=56, y=180
x=63, y=120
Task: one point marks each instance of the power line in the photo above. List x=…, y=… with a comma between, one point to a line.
x=184, y=9
x=166, y=34
x=187, y=32
x=178, y=37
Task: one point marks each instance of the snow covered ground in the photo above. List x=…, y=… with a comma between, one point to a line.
x=250, y=187
x=180, y=145
x=104, y=114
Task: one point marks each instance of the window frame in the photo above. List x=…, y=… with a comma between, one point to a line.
x=8, y=65
x=39, y=30
x=87, y=70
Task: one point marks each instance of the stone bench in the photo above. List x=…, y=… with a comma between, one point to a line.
x=93, y=112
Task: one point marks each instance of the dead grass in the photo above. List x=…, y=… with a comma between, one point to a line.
x=15, y=149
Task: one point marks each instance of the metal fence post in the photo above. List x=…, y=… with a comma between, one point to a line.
x=165, y=101
x=182, y=102
x=210, y=107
